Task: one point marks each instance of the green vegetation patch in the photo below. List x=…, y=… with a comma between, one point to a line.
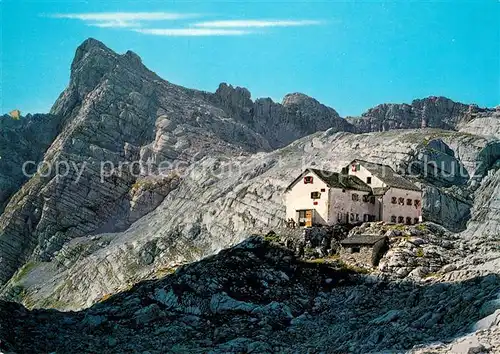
x=23, y=271
x=272, y=237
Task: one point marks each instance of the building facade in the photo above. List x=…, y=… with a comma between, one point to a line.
x=362, y=192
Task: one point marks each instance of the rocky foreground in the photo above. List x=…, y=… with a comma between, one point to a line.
x=258, y=297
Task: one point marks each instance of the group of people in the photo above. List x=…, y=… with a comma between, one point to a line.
x=291, y=224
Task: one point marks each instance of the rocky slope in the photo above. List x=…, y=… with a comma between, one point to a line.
x=218, y=201
x=486, y=125
x=259, y=298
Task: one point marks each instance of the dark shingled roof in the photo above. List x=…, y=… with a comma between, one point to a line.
x=361, y=240
x=380, y=190
x=338, y=180
x=388, y=175
x=335, y=180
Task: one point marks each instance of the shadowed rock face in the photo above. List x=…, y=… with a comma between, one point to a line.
x=257, y=297
x=20, y=141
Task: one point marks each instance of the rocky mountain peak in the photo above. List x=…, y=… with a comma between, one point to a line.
x=298, y=98
x=93, y=63
x=93, y=60
x=133, y=57
x=309, y=110
x=90, y=43
x=91, y=48
x=234, y=96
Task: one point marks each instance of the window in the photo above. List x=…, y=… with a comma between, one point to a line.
x=401, y=201
x=415, y=220
x=352, y=217
x=416, y=203
x=372, y=199
x=323, y=189
x=355, y=197
x=394, y=218
x=401, y=219
x=365, y=198
x=394, y=200
x=408, y=201
x=357, y=217
x=408, y=220
x=308, y=179
x=368, y=180
x=372, y=218
x=315, y=195
x=366, y=217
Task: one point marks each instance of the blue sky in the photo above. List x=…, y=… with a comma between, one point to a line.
x=349, y=55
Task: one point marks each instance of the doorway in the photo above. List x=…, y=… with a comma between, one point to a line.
x=305, y=217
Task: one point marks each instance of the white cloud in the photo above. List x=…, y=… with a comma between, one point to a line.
x=125, y=16
x=122, y=19
x=138, y=21
x=256, y=23
x=115, y=24
x=192, y=32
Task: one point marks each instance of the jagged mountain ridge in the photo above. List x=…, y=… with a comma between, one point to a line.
x=435, y=112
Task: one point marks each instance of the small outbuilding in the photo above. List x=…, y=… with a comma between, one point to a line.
x=367, y=249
